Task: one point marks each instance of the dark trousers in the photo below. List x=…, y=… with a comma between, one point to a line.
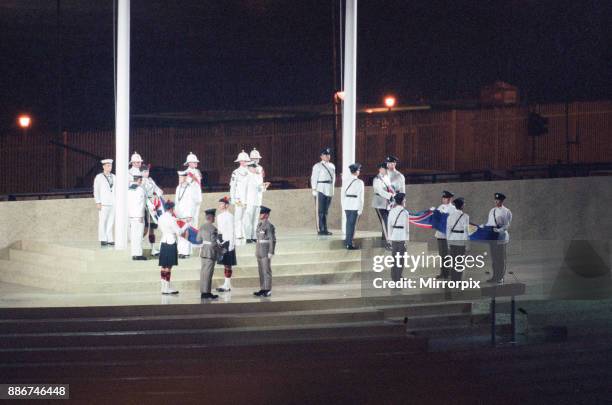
x=382, y=215
x=323, y=203
x=397, y=247
x=498, y=260
x=351, y=222
x=443, y=252
x=456, y=251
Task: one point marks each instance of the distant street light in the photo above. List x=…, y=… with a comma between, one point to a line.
x=390, y=102
x=24, y=121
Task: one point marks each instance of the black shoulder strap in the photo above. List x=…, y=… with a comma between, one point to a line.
x=328, y=172
x=495, y=218
x=349, y=186
x=398, y=216
x=453, y=228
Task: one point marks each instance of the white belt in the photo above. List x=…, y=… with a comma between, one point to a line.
x=206, y=243
x=264, y=241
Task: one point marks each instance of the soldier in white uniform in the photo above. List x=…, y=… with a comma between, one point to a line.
x=254, y=197
x=238, y=184
x=397, y=180
x=136, y=209
x=322, y=182
x=136, y=164
x=446, y=208
x=397, y=224
x=225, y=225
x=256, y=157
x=153, y=192
x=168, y=256
x=196, y=182
x=500, y=218
x=382, y=197
x=457, y=235
x=104, y=195
x=352, y=198
x=184, y=210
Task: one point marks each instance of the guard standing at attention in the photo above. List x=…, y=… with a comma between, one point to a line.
x=457, y=234
x=397, y=224
x=500, y=218
x=238, y=185
x=255, y=156
x=104, y=195
x=225, y=225
x=352, y=197
x=209, y=253
x=136, y=164
x=397, y=180
x=382, y=197
x=322, y=182
x=136, y=198
x=446, y=208
x=264, y=250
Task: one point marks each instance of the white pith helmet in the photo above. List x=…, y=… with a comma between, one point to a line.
x=255, y=154
x=191, y=158
x=243, y=157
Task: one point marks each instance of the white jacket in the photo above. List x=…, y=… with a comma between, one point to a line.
x=323, y=178
x=397, y=180
x=225, y=226
x=353, y=191
x=254, y=189
x=501, y=218
x=186, y=199
x=169, y=228
x=238, y=184
x=446, y=209
x=104, y=189
x=136, y=197
x=397, y=224
x=382, y=192
x=457, y=228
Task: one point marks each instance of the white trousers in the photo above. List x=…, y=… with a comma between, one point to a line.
x=251, y=218
x=195, y=222
x=239, y=218
x=183, y=246
x=106, y=219
x=136, y=231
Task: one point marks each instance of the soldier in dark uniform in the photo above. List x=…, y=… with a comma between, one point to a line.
x=209, y=253
x=264, y=250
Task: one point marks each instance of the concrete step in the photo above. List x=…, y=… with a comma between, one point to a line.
x=52, y=262
x=460, y=330
x=401, y=311
x=196, y=321
x=221, y=336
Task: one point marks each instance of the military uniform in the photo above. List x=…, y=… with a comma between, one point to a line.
x=264, y=250
x=323, y=182
x=500, y=218
x=153, y=193
x=104, y=194
x=397, y=225
x=256, y=157
x=136, y=197
x=381, y=200
x=136, y=162
x=186, y=199
x=209, y=253
x=441, y=236
x=254, y=197
x=457, y=235
x=397, y=180
x=353, y=190
x=196, y=183
x=238, y=185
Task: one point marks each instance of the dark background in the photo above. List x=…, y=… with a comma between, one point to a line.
x=232, y=54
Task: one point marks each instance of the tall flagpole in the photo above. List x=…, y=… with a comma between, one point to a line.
x=122, y=122
x=349, y=106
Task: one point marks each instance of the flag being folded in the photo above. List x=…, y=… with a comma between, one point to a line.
x=435, y=219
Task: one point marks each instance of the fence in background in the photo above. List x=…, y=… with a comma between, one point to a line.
x=425, y=141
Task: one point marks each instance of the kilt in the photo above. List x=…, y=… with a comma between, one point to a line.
x=229, y=257
x=168, y=255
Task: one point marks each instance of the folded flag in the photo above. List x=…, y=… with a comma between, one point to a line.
x=191, y=234
x=435, y=219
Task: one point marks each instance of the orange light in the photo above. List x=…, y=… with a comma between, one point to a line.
x=24, y=121
x=390, y=101
x=339, y=95
x=369, y=111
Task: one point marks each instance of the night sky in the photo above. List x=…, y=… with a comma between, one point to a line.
x=237, y=54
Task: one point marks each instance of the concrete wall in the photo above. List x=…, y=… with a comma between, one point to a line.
x=543, y=209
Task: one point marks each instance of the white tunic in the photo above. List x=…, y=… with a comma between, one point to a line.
x=136, y=201
x=323, y=178
x=398, y=182
x=457, y=228
x=501, y=218
x=445, y=209
x=169, y=228
x=254, y=189
x=104, y=189
x=397, y=224
x=382, y=193
x=225, y=226
x=185, y=201
x=238, y=184
x=353, y=191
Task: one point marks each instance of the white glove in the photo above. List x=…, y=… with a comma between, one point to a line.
x=432, y=209
x=270, y=255
x=314, y=193
x=497, y=230
x=358, y=212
